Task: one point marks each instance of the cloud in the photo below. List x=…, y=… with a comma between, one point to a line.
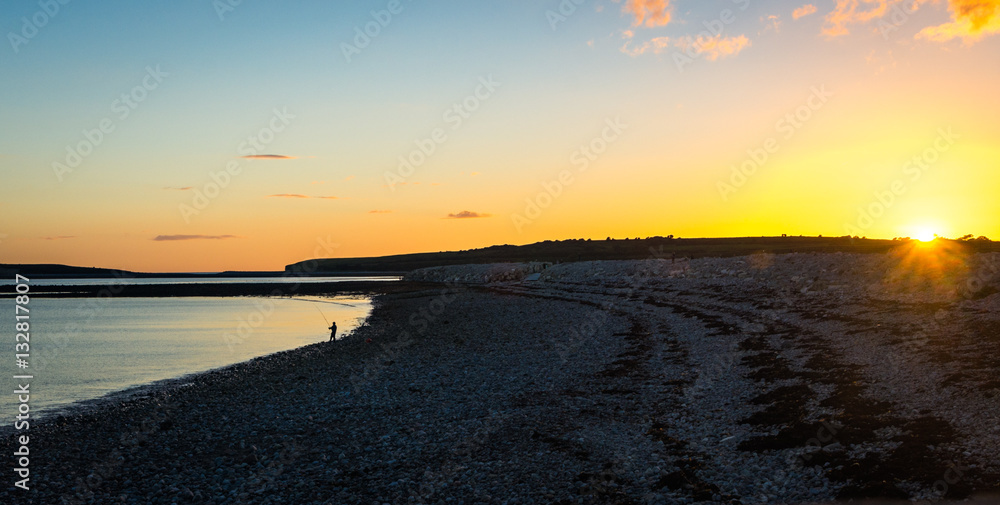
x=185, y=188
x=58, y=237
x=465, y=214
x=717, y=47
x=380, y=212
x=803, y=11
x=169, y=238
x=656, y=45
x=268, y=157
x=771, y=22
x=649, y=12
x=712, y=48
x=847, y=12
x=349, y=177
x=298, y=196
x=971, y=21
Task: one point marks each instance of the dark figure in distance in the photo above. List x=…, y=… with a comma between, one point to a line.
x=333, y=331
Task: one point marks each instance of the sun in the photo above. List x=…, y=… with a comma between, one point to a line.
x=925, y=235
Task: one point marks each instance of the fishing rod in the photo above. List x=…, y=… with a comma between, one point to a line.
x=322, y=314
x=322, y=301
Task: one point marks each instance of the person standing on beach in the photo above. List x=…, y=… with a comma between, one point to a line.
x=333, y=331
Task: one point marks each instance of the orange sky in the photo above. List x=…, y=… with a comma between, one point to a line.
x=522, y=123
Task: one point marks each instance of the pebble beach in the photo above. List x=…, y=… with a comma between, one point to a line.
x=793, y=378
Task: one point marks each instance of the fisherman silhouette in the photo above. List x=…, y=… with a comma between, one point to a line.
x=333, y=331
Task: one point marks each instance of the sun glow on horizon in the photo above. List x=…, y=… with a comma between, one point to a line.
x=926, y=235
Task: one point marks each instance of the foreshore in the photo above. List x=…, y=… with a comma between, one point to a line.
x=289, y=288
x=796, y=378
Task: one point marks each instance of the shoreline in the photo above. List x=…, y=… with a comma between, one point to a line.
x=118, y=396
x=615, y=384
x=212, y=289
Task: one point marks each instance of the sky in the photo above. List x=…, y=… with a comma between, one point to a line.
x=219, y=135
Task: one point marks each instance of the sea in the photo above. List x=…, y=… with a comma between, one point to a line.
x=83, y=350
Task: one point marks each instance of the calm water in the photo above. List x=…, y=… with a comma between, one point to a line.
x=83, y=348
x=191, y=280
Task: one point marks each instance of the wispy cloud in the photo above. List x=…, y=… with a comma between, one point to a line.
x=466, y=214
x=848, y=12
x=656, y=45
x=269, y=157
x=170, y=238
x=184, y=188
x=715, y=47
x=295, y=195
x=649, y=12
x=804, y=11
x=380, y=212
x=712, y=48
x=349, y=178
x=771, y=22
x=58, y=237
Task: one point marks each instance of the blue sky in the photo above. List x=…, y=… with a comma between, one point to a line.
x=224, y=78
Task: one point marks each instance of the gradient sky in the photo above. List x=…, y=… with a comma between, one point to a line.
x=844, y=93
